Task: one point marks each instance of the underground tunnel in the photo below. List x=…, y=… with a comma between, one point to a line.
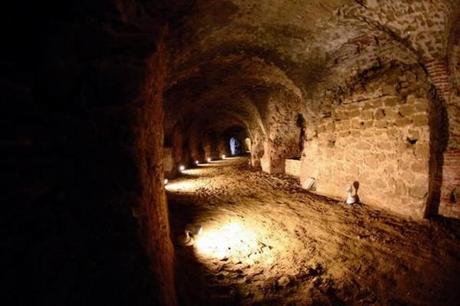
x=231, y=152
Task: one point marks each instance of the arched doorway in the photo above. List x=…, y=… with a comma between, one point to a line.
x=235, y=146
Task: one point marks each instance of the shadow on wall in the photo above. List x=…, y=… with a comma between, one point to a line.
x=439, y=138
x=77, y=158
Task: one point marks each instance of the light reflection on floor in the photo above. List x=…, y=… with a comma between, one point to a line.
x=184, y=183
x=264, y=240
x=236, y=240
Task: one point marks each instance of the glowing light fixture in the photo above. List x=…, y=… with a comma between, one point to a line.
x=166, y=181
x=223, y=156
x=181, y=168
x=209, y=159
x=197, y=162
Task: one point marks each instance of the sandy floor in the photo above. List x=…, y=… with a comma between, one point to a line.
x=265, y=241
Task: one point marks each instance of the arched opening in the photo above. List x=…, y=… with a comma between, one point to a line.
x=247, y=145
x=235, y=146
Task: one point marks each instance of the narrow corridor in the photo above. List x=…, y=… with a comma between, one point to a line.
x=265, y=241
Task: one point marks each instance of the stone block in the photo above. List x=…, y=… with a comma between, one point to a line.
x=367, y=106
x=371, y=161
x=394, y=132
x=363, y=146
x=411, y=99
x=381, y=124
x=354, y=113
x=403, y=122
x=413, y=134
x=406, y=110
x=388, y=89
x=367, y=115
x=392, y=114
x=401, y=188
x=422, y=150
x=380, y=183
x=367, y=124
x=418, y=191
x=420, y=120
x=419, y=166
x=421, y=107
x=341, y=115
x=379, y=114
x=292, y=167
x=384, y=146
x=355, y=124
x=388, y=170
x=406, y=174
x=329, y=127
x=377, y=103
x=392, y=101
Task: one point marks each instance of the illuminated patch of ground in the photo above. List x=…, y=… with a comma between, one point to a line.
x=265, y=241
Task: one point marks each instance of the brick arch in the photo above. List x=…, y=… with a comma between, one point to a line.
x=454, y=57
x=450, y=178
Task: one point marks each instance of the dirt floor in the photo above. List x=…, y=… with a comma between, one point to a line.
x=266, y=241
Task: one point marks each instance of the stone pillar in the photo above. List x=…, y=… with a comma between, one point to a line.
x=196, y=149
x=154, y=211
x=88, y=201
x=181, y=148
x=210, y=146
x=223, y=147
x=283, y=132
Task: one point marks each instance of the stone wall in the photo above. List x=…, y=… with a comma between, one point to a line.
x=168, y=162
x=293, y=167
x=223, y=147
x=379, y=137
x=195, y=145
x=152, y=211
x=182, y=148
x=257, y=148
x=422, y=25
x=283, y=133
x=210, y=146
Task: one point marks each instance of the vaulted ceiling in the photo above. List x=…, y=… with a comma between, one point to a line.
x=230, y=56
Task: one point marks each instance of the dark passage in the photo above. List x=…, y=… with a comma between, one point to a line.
x=235, y=146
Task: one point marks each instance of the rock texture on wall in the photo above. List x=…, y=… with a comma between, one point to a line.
x=264, y=69
x=293, y=167
x=357, y=91
x=379, y=138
